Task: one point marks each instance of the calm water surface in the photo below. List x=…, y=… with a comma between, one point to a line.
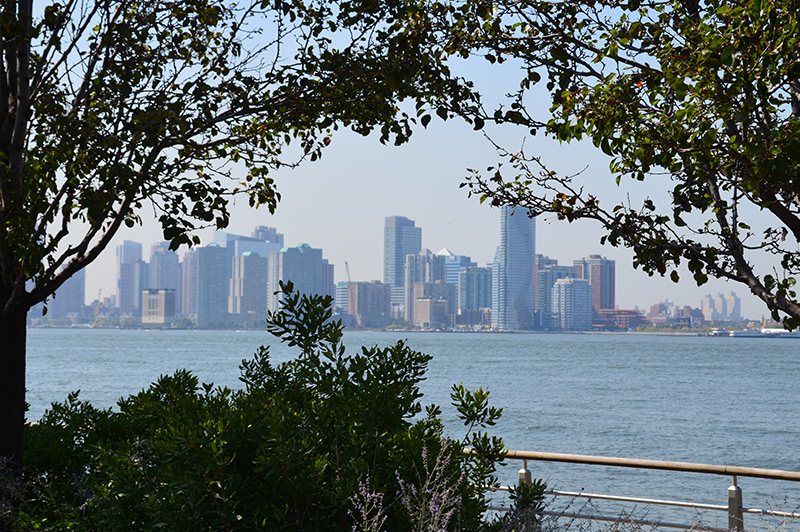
x=730, y=401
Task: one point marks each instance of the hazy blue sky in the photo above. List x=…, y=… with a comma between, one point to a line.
x=339, y=204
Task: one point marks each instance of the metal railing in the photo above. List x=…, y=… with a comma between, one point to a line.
x=733, y=508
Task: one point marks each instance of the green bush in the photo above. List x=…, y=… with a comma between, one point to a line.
x=290, y=451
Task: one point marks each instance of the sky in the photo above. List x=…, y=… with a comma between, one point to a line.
x=339, y=204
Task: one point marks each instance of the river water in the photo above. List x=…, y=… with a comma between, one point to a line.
x=730, y=401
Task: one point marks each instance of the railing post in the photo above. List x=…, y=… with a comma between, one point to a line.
x=735, y=517
x=524, y=474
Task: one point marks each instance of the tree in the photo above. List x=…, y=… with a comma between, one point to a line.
x=114, y=106
x=701, y=96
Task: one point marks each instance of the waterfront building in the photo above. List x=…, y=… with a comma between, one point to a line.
x=370, y=304
x=513, y=272
x=474, y=288
x=539, y=262
x=70, y=297
x=238, y=245
x=213, y=274
x=268, y=234
x=431, y=313
x=400, y=238
x=341, y=296
x=625, y=319
x=188, y=293
x=453, y=264
x=547, y=277
x=495, y=286
x=439, y=291
x=131, y=277
x=158, y=306
x=165, y=271
x=572, y=304
x=305, y=267
x=601, y=274
x=721, y=307
x=423, y=267
x=248, y=285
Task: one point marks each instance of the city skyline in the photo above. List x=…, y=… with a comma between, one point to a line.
x=157, y=248
x=340, y=206
x=436, y=267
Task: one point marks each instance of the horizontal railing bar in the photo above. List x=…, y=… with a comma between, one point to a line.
x=775, y=474
x=617, y=519
x=660, y=502
x=775, y=513
x=619, y=498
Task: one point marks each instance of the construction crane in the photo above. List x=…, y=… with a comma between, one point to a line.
x=350, y=310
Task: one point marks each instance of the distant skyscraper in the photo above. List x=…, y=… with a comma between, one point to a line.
x=538, y=263
x=400, y=238
x=188, y=303
x=70, y=296
x=572, y=304
x=213, y=273
x=304, y=267
x=370, y=303
x=240, y=244
x=130, y=281
x=342, y=296
x=453, y=264
x=721, y=307
x=547, y=277
x=513, y=271
x=268, y=234
x=249, y=288
x=600, y=272
x=734, y=306
x=435, y=303
x=423, y=267
x=474, y=288
x=165, y=271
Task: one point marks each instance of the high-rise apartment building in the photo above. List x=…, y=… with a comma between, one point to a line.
x=341, y=297
x=400, y=238
x=423, y=267
x=600, y=272
x=213, y=273
x=513, y=271
x=131, y=277
x=165, y=271
x=453, y=264
x=249, y=287
x=721, y=307
x=547, y=277
x=268, y=234
x=188, y=293
x=434, y=305
x=304, y=267
x=370, y=303
x=539, y=262
x=70, y=296
x=474, y=288
x=572, y=304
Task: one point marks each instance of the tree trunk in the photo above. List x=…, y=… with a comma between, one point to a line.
x=12, y=407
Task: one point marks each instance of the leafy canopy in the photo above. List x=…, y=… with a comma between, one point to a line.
x=118, y=106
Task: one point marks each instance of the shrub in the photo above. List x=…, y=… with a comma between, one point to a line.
x=290, y=451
